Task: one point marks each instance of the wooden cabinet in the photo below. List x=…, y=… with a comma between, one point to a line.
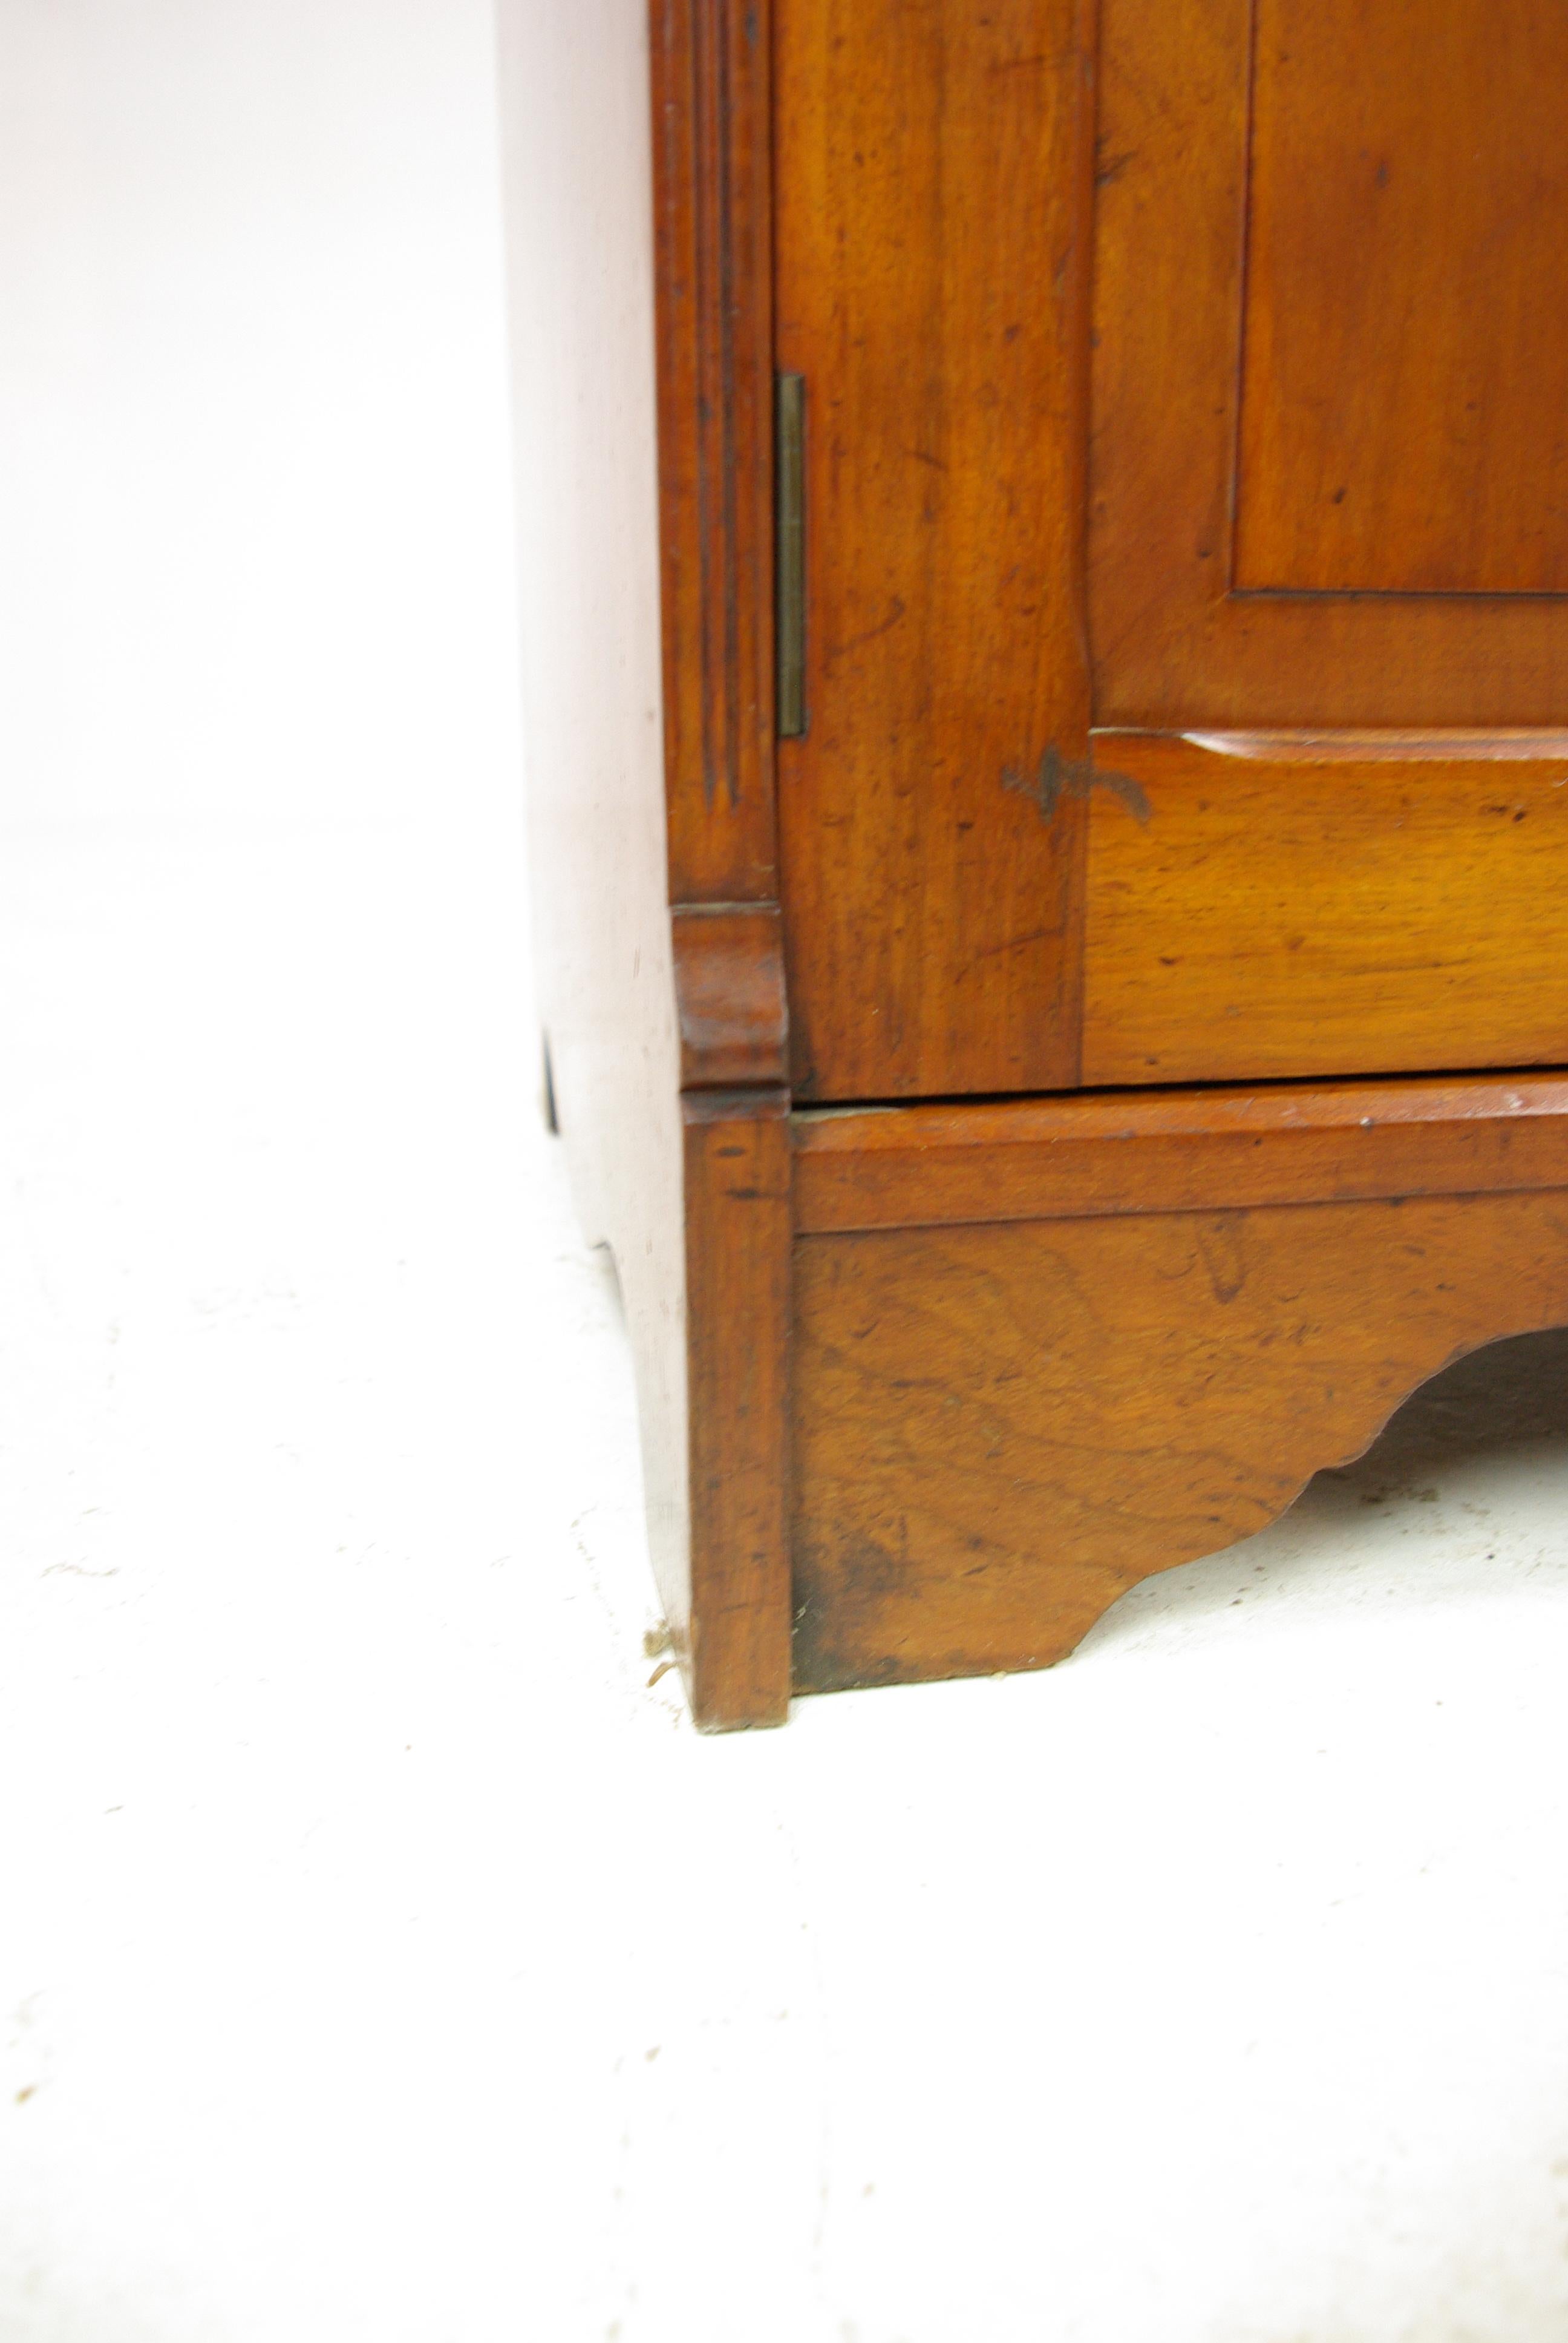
x=1046, y=639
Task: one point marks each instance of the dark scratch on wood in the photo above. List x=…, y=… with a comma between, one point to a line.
x=1073, y=777
x=1110, y=169
x=1015, y=943
x=836, y=651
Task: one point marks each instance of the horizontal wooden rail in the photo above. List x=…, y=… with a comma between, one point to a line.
x=1178, y=1151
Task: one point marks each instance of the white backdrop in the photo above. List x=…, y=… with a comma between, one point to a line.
x=255, y=520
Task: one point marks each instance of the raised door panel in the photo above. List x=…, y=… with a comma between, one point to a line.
x=1332, y=357
x=1404, y=419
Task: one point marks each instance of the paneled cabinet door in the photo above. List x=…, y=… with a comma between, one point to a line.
x=1187, y=538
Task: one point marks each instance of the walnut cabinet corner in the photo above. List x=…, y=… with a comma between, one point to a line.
x=1045, y=602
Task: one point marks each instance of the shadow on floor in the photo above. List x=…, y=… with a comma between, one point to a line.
x=1502, y=1396
x=1463, y=1492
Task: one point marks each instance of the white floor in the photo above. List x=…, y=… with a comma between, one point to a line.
x=380, y=1957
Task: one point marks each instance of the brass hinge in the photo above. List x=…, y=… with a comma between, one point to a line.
x=789, y=537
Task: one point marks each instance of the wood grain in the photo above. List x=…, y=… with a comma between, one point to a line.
x=1297, y=909
x=1000, y=1429
x=729, y=995
x=1174, y=648
x=713, y=215
x=1041, y=1346
x=932, y=186
x=1403, y=421
x=736, y=1648
x=1152, y=1150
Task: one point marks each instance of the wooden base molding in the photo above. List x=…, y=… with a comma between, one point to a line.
x=1004, y=1418
x=955, y=1378
x=1000, y=1429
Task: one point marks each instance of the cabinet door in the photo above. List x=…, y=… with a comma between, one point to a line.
x=1247, y=448
x=1329, y=538
x=932, y=161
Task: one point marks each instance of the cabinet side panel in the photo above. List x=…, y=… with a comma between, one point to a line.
x=578, y=165
x=933, y=177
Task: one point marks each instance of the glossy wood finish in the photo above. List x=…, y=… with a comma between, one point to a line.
x=712, y=173
x=1174, y=647
x=932, y=177
x=1402, y=425
x=999, y=1429
x=1046, y=1347
x=1181, y=1150
x=1290, y=907
x=712, y=143
x=729, y=995
x=737, y=1640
